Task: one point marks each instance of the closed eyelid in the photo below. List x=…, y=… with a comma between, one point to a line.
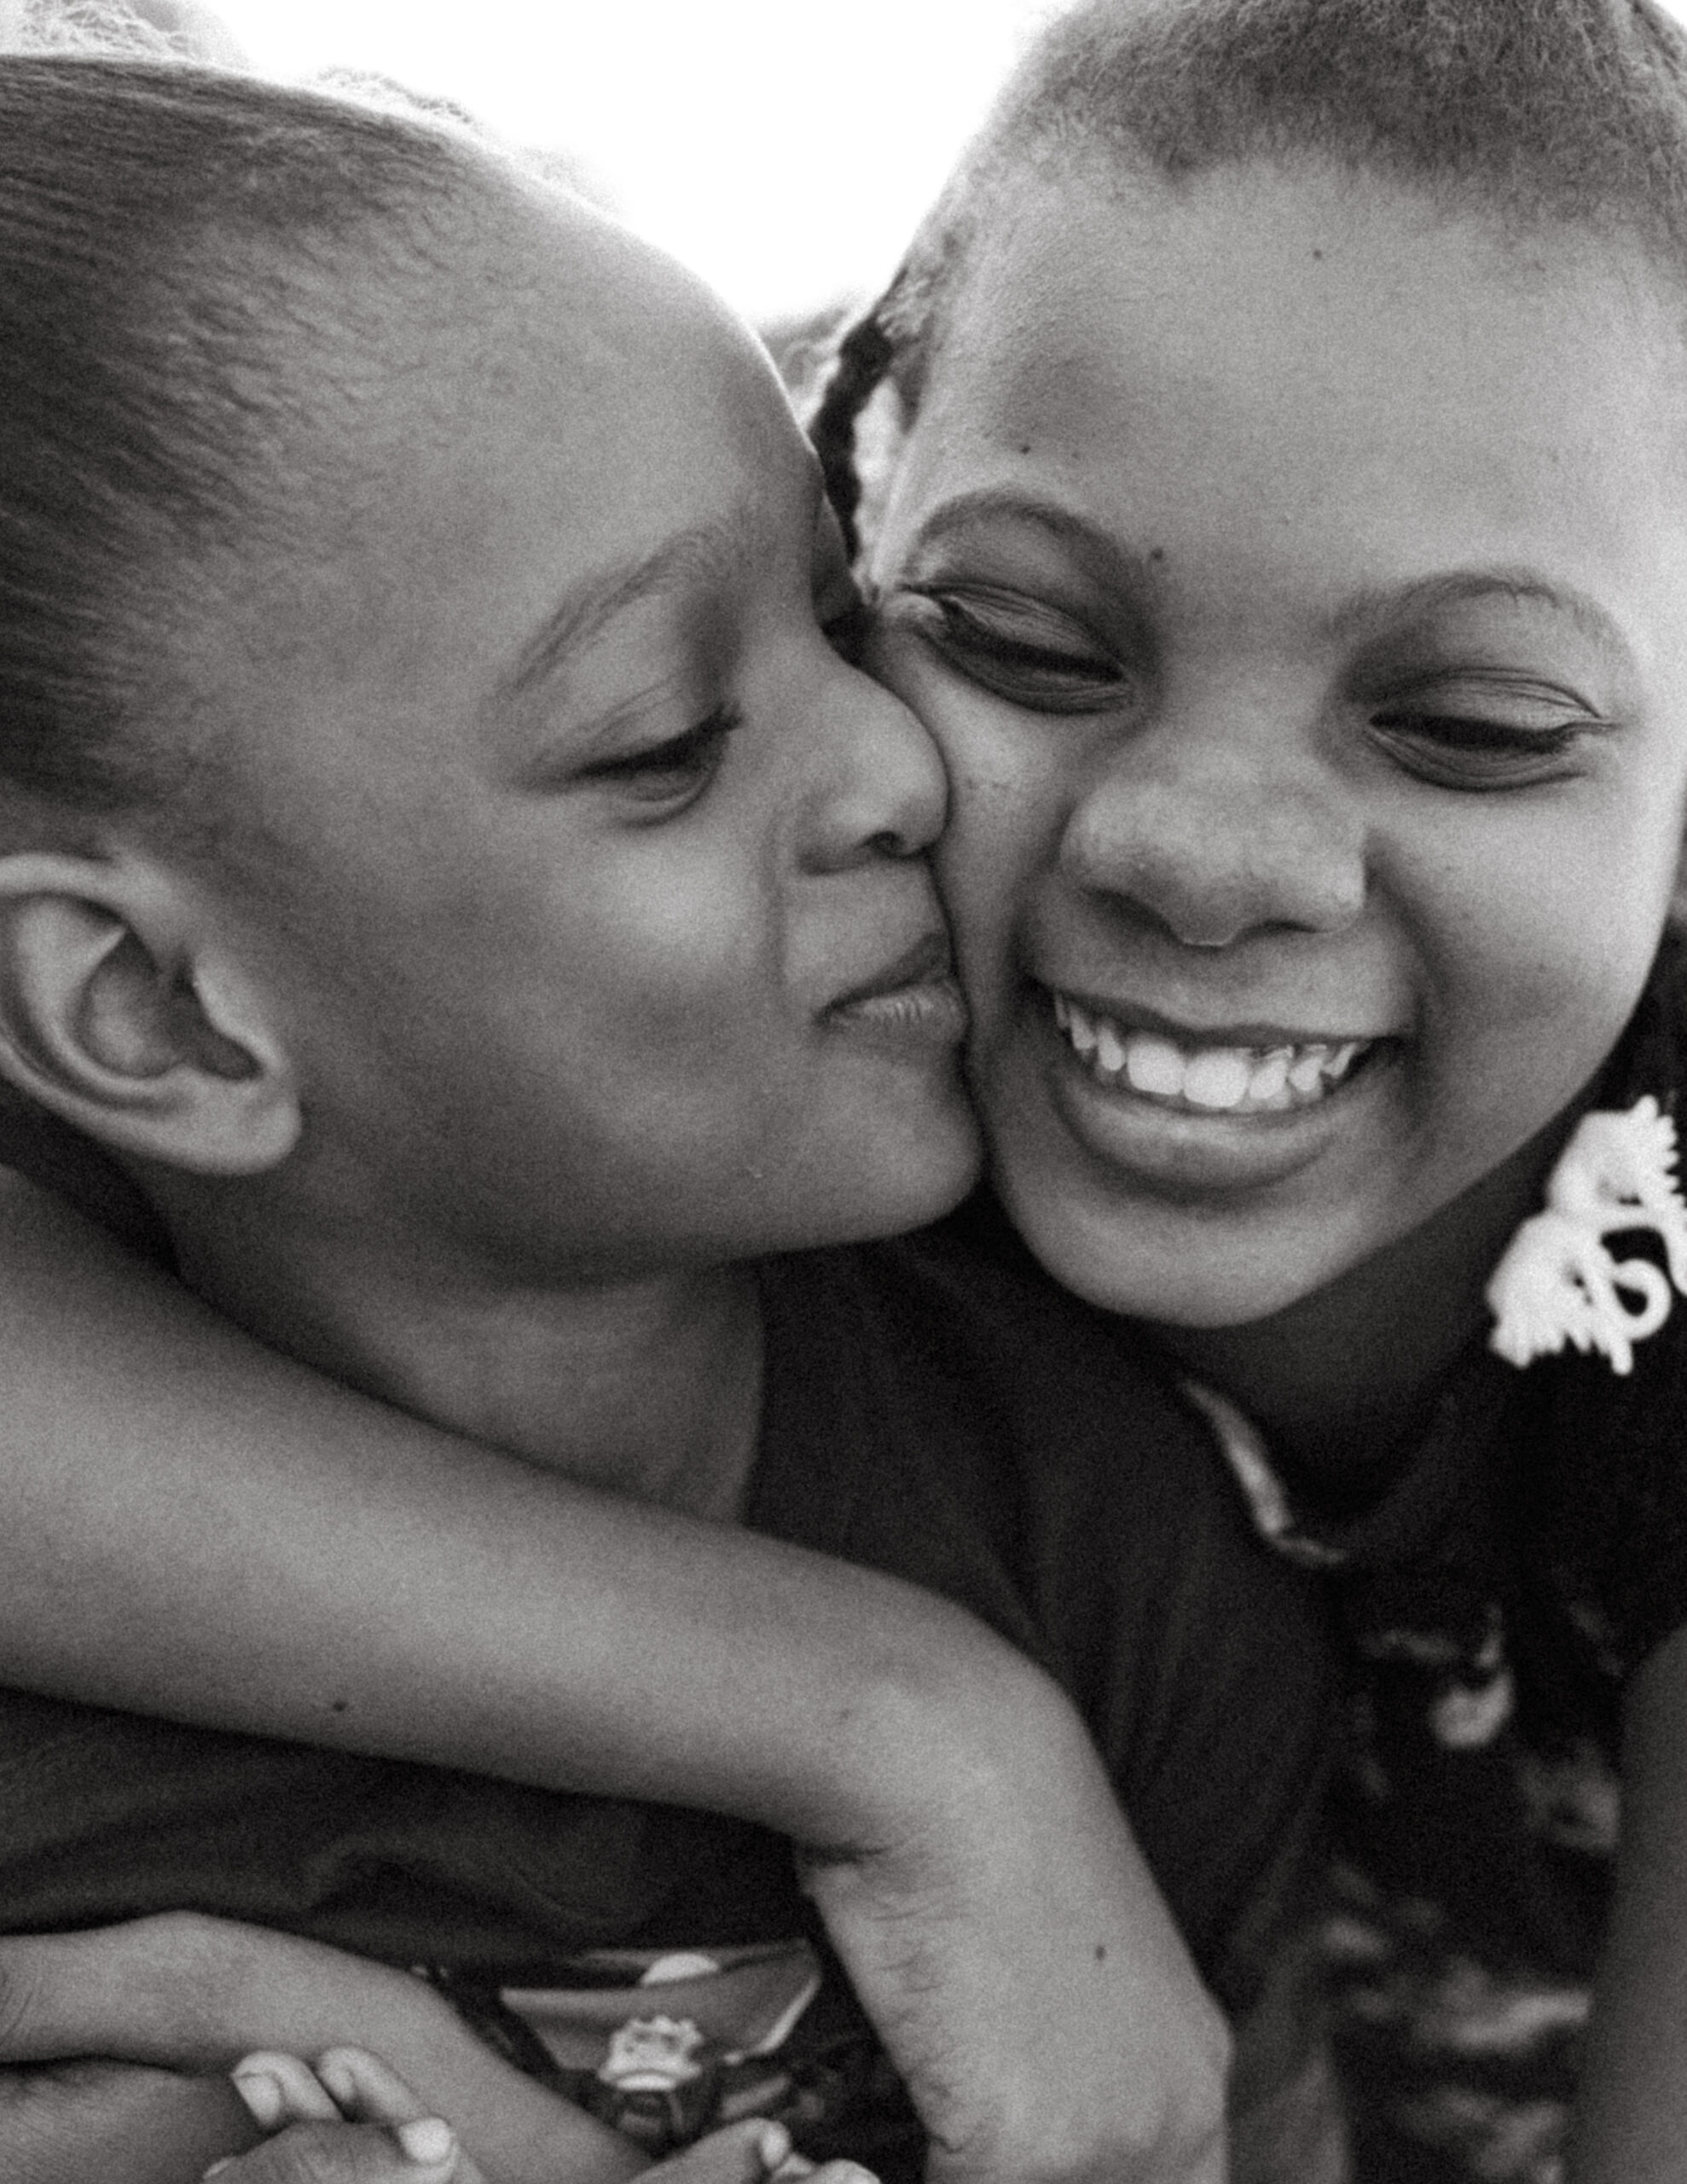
x=582, y=745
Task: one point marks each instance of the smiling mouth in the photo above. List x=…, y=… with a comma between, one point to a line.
x=1208, y=1078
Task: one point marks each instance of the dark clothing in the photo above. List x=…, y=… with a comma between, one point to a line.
x=1527, y=1555
x=933, y=1409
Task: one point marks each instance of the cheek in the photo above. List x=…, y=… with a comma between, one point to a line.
x=1011, y=790
x=1537, y=947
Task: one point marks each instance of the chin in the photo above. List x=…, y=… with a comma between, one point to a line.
x=1112, y=1260
x=906, y=1178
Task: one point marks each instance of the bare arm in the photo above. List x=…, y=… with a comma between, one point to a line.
x=186, y=1995
x=252, y=1547
x=1631, y=2117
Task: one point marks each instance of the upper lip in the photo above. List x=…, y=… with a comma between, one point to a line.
x=928, y=959
x=1133, y=1016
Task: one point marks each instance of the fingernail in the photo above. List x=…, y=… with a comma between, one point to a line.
x=262, y=2095
x=427, y=2141
x=217, y=2168
x=773, y=2145
x=338, y=2079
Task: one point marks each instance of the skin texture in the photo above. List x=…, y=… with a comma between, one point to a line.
x=1290, y=482
x=521, y=1008
x=519, y=1005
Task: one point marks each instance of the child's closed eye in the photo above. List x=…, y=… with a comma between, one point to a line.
x=1477, y=737
x=670, y=774
x=1034, y=655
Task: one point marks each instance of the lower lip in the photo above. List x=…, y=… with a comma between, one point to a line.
x=1185, y=1152
x=914, y=1019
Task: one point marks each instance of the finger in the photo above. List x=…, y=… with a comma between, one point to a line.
x=742, y=2154
x=424, y=2152
x=281, y=2089
x=365, y=2089
x=754, y=2151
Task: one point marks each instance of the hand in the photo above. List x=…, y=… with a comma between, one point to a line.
x=1010, y=1945
x=99, y=2123
x=349, y=2120
x=316, y=2112
x=188, y=1993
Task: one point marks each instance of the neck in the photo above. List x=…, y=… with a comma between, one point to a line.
x=649, y=1386
x=1345, y=1379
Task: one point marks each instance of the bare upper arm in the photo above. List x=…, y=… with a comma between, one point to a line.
x=1632, y=2117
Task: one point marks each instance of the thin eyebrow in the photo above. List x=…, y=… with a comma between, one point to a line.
x=708, y=550
x=1524, y=586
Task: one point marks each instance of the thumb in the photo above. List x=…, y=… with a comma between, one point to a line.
x=426, y=2151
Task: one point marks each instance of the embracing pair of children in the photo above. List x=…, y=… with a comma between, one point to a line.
x=465, y=918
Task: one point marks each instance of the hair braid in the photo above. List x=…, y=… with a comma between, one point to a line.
x=859, y=365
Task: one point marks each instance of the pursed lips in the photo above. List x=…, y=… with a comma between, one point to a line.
x=914, y=992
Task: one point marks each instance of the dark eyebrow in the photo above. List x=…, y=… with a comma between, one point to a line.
x=709, y=550
x=1121, y=565
x=1105, y=558
x=1524, y=586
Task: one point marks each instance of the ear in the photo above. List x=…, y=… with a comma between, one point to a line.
x=121, y=1013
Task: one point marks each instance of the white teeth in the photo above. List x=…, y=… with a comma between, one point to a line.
x=1153, y=1065
x=1271, y=1075
x=1222, y=1080
x=1217, y=1078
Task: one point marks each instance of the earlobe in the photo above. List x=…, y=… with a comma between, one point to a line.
x=113, y=1018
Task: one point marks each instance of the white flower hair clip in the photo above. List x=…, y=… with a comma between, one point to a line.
x=1558, y=1282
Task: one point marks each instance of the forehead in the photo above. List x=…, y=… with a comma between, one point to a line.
x=1295, y=348
x=541, y=401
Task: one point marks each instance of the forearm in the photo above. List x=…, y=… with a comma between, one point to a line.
x=182, y=1993
x=115, y=2123
x=1631, y=2124
x=250, y=1545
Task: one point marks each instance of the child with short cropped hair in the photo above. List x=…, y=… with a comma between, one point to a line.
x=447, y=866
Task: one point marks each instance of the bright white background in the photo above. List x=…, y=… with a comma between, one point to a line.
x=783, y=148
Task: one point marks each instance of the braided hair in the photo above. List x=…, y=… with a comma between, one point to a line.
x=1531, y=113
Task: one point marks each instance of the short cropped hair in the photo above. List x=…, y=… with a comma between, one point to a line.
x=158, y=224
x=1536, y=113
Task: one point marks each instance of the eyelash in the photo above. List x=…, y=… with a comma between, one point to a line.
x=695, y=754
x=1041, y=678
x=1462, y=750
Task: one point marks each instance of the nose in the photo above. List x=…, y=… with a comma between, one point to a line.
x=1218, y=828
x=879, y=788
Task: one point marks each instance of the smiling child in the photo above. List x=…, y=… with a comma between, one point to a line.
x=1279, y=520
x=1286, y=538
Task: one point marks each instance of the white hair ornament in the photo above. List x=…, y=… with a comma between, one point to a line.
x=1558, y=1282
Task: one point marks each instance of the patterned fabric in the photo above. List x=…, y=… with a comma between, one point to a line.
x=1529, y=1552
